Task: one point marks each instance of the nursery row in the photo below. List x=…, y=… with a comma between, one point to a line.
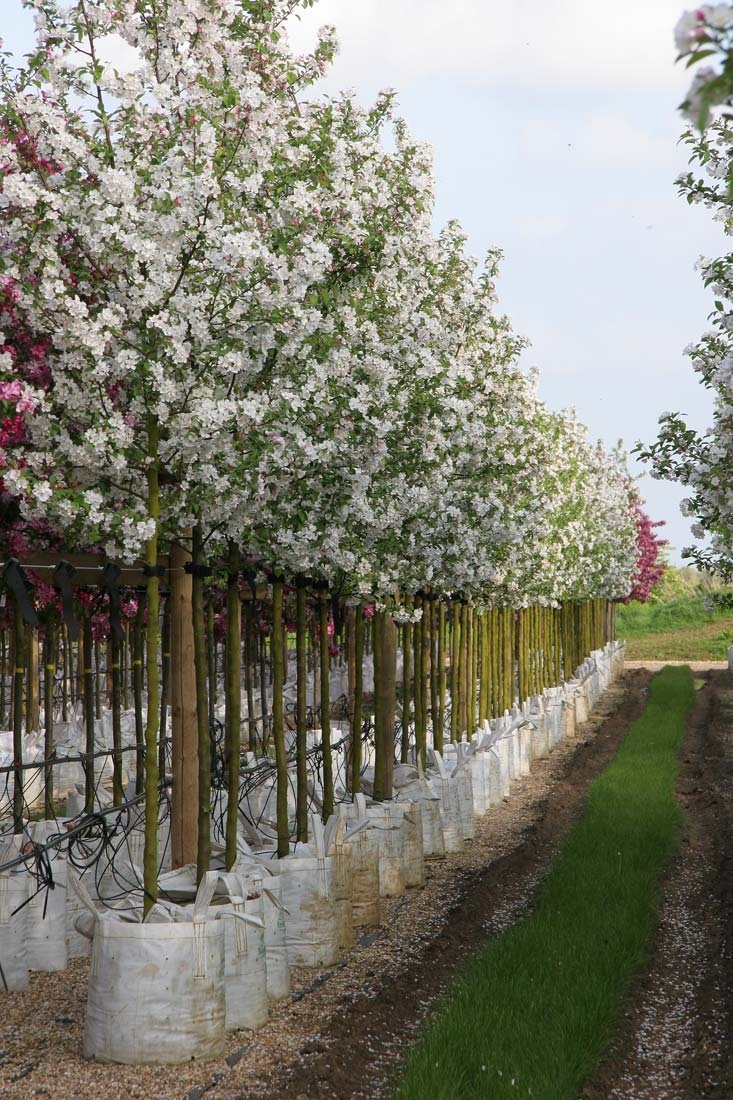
x=216, y=947
x=76, y=701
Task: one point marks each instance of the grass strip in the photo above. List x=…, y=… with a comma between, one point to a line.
x=532, y=1014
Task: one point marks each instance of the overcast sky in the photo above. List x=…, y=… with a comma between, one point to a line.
x=555, y=138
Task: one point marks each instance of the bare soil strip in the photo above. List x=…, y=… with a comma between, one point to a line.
x=674, y=1040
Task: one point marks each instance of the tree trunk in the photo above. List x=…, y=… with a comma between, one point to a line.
x=49, y=676
x=165, y=676
x=18, y=682
x=198, y=631
x=88, y=681
x=356, y=718
x=278, y=730
x=406, y=692
x=150, y=856
x=118, y=793
x=325, y=659
x=184, y=725
x=234, y=701
x=385, y=662
x=301, y=710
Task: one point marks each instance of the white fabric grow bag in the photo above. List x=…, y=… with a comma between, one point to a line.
x=540, y=747
x=479, y=780
x=433, y=841
x=13, y=925
x=413, y=858
x=46, y=928
x=390, y=834
x=364, y=844
x=276, y=942
x=245, y=972
x=455, y=757
x=364, y=847
x=156, y=990
x=308, y=894
x=245, y=967
x=31, y=779
x=524, y=740
x=343, y=898
x=502, y=744
x=446, y=790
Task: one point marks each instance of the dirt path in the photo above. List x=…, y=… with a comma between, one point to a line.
x=674, y=1040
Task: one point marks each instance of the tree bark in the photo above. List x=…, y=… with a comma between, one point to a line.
x=184, y=727
x=150, y=856
x=233, y=701
x=278, y=731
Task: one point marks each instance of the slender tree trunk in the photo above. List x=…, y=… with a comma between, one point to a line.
x=184, y=714
x=356, y=718
x=18, y=682
x=264, y=709
x=165, y=675
x=463, y=672
x=278, y=730
x=203, y=845
x=439, y=734
x=484, y=706
x=118, y=793
x=3, y=675
x=137, y=695
x=88, y=673
x=33, y=708
x=81, y=659
x=301, y=710
x=433, y=658
x=249, y=657
x=211, y=660
x=385, y=654
x=150, y=857
x=455, y=671
x=97, y=680
x=471, y=672
x=419, y=693
x=125, y=666
x=316, y=670
x=234, y=700
x=323, y=605
x=49, y=676
x=406, y=677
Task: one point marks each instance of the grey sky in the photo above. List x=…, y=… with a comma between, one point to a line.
x=555, y=137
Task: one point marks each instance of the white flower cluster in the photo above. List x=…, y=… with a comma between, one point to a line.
x=243, y=292
x=699, y=34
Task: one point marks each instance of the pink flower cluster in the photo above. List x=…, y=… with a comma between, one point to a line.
x=649, y=567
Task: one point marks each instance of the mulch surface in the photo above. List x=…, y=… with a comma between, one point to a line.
x=358, y=1053
x=674, y=1039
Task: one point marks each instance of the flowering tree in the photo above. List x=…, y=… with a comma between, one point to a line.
x=650, y=565
x=167, y=238
x=702, y=463
x=246, y=326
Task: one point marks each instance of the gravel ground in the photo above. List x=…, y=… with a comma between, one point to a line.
x=359, y=1014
